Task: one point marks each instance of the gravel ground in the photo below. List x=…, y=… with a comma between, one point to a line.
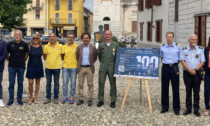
x=132, y=114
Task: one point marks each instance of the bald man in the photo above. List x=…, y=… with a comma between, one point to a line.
x=107, y=55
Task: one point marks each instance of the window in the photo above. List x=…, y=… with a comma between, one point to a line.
x=141, y=5
x=106, y=19
x=149, y=31
x=37, y=14
x=57, y=18
x=148, y=4
x=134, y=26
x=176, y=10
x=158, y=32
x=141, y=31
x=57, y=4
x=70, y=18
x=37, y=3
x=200, y=29
x=70, y=5
x=156, y=2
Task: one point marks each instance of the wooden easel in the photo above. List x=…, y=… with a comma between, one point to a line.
x=148, y=94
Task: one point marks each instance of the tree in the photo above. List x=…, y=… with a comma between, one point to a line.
x=11, y=13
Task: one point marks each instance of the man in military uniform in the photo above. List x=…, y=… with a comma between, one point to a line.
x=171, y=54
x=107, y=54
x=193, y=61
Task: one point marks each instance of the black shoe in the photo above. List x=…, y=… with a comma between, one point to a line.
x=112, y=105
x=188, y=111
x=100, y=103
x=197, y=113
x=80, y=102
x=163, y=111
x=89, y=102
x=176, y=112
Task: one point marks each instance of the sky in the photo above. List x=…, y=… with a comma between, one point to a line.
x=89, y=4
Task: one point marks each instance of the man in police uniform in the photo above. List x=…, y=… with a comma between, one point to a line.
x=107, y=54
x=193, y=61
x=171, y=54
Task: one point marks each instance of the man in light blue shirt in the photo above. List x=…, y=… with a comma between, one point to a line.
x=85, y=56
x=193, y=62
x=171, y=55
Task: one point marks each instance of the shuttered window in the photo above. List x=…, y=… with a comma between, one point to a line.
x=70, y=18
x=38, y=3
x=57, y=4
x=37, y=14
x=141, y=31
x=200, y=29
x=140, y=5
x=70, y=5
x=158, y=31
x=148, y=4
x=176, y=10
x=149, y=31
x=156, y=2
x=134, y=26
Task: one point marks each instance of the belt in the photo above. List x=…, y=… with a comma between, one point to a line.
x=85, y=65
x=170, y=64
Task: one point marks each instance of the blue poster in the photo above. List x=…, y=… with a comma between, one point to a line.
x=137, y=63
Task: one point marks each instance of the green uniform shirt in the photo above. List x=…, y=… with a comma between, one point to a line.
x=107, y=55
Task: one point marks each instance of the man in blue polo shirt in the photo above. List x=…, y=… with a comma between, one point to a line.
x=17, y=55
x=3, y=56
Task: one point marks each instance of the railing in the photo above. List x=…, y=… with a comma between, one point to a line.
x=62, y=21
x=34, y=6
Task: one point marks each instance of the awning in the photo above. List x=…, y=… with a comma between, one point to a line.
x=68, y=28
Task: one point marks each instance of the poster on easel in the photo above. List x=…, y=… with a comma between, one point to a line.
x=137, y=63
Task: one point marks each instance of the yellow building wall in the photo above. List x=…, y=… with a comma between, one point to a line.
x=77, y=14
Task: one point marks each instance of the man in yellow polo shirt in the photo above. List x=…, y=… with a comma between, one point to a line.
x=69, y=69
x=52, y=54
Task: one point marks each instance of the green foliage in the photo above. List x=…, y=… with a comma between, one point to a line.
x=11, y=12
x=114, y=40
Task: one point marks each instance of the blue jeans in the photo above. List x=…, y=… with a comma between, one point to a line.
x=12, y=75
x=1, y=90
x=56, y=74
x=72, y=74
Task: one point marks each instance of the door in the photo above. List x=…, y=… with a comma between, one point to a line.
x=106, y=27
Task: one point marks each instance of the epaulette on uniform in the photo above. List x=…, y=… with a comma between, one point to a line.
x=184, y=48
x=200, y=47
x=162, y=44
x=177, y=44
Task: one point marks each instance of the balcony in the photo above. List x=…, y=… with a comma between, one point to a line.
x=37, y=7
x=62, y=21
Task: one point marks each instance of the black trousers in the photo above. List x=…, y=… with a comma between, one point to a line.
x=167, y=75
x=192, y=82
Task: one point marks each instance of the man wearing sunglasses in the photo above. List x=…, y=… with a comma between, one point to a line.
x=52, y=54
x=17, y=55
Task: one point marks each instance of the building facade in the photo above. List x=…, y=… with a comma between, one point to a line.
x=66, y=16
x=90, y=21
x=107, y=14
x=128, y=10
x=183, y=17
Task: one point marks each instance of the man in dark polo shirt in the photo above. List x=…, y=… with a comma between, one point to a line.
x=17, y=55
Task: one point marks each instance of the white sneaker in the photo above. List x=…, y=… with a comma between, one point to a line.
x=1, y=103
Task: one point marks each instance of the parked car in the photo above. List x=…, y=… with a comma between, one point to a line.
x=45, y=40
x=28, y=39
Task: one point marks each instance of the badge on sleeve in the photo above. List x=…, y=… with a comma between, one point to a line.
x=113, y=49
x=113, y=53
x=196, y=56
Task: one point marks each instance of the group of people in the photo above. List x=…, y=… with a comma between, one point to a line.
x=195, y=61
x=77, y=60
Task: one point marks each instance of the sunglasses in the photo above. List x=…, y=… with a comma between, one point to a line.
x=35, y=38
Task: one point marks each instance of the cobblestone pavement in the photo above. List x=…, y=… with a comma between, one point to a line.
x=132, y=114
